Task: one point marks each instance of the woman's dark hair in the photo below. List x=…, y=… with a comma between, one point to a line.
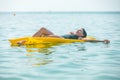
x=84, y=32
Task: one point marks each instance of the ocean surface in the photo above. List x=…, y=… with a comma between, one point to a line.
x=75, y=61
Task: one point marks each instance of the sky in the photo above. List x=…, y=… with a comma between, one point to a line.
x=59, y=5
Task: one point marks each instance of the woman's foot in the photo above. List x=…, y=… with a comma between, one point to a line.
x=21, y=42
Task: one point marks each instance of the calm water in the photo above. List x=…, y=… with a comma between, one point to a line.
x=76, y=61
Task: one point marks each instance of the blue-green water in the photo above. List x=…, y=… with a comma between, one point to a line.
x=76, y=61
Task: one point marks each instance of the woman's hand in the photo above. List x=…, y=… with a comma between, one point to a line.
x=106, y=41
x=71, y=32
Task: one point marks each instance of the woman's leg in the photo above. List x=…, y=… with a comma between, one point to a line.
x=42, y=32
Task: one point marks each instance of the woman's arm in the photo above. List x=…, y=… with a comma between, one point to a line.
x=105, y=41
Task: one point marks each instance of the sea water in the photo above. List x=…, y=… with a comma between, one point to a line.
x=75, y=61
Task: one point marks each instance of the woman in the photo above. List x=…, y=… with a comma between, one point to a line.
x=79, y=34
x=43, y=32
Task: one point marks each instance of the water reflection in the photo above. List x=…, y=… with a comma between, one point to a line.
x=38, y=54
x=80, y=46
x=35, y=60
x=45, y=51
x=44, y=48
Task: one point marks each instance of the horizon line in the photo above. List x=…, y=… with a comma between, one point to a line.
x=59, y=11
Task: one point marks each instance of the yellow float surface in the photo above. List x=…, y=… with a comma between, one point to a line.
x=42, y=40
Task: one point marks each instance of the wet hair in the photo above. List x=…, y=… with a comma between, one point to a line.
x=84, y=32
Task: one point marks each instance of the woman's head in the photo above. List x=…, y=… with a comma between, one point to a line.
x=81, y=32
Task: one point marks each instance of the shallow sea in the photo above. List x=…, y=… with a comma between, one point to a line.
x=75, y=61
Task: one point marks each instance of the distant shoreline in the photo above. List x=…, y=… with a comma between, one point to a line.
x=57, y=12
